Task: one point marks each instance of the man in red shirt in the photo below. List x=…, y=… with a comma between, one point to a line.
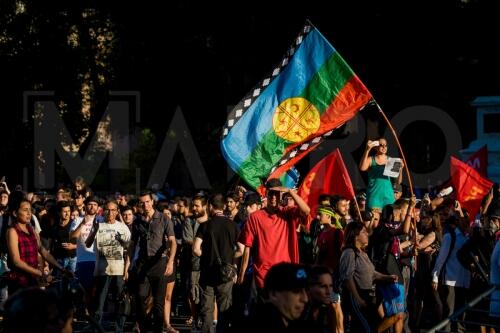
x=271, y=232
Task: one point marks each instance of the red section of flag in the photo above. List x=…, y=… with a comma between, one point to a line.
x=350, y=100
x=479, y=161
x=328, y=176
x=470, y=186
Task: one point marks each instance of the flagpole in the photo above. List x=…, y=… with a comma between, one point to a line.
x=399, y=147
x=357, y=208
x=407, y=169
x=348, y=181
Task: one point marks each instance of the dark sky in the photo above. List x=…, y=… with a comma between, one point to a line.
x=442, y=54
x=205, y=56
x=434, y=53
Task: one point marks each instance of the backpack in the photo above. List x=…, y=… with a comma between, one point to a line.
x=378, y=247
x=464, y=255
x=468, y=255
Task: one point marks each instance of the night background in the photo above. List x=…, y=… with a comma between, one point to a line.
x=205, y=57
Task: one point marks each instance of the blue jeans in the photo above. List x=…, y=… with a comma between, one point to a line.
x=68, y=263
x=102, y=287
x=85, y=274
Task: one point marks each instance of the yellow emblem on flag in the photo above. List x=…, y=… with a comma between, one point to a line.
x=295, y=119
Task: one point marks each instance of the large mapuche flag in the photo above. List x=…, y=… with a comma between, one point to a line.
x=309, y=94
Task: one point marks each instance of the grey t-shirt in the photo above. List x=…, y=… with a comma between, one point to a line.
x=188, y=235
x=358, y=266
x=152, y=237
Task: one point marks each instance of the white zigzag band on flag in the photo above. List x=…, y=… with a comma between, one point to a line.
x=245, y=103
x=306, y=145
x=303, y=147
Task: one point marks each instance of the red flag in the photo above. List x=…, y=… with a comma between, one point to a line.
x=469, y=185
x=479, y=161
x=328, y=176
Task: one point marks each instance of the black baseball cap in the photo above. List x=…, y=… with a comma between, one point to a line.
x=252, y=198
x=286, y=276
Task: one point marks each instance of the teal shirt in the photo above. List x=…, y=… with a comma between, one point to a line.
x=379, y=192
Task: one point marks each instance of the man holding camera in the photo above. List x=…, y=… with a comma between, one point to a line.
x=271, y=231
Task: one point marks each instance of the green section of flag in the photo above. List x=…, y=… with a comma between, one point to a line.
x=327, y=83
x=262, y=159
x=321, y=91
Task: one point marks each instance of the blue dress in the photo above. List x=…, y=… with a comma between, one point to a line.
x=379, y=192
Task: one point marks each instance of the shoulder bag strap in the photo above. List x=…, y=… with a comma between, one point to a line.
x=452, y=245
x=214, y=244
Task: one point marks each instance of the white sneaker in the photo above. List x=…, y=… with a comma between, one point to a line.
x=445, y=191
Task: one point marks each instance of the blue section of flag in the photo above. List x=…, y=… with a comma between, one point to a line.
x=291, y=178
x=256, y=122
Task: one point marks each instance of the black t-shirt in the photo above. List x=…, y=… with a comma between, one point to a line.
x=379, y=252
x=224, y=234
x=60, y=235
x=268, y=319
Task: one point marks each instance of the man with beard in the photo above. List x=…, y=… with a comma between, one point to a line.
x=270, y=232
x=200, y=216
x=340, y=207
x=85, y=256
x=215, y=242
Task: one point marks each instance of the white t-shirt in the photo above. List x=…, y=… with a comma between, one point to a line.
x=83, y=253
x=37, y=228
x=109, y=254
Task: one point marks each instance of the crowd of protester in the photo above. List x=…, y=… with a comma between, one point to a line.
x=325, y=268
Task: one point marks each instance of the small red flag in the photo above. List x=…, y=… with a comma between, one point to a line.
x=479, y=161
x=470, y=186
x=328, y=176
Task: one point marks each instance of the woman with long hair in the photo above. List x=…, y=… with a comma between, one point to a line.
x=24, y=245
x=430, y=235
x=358, y=276
x=379, y=191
